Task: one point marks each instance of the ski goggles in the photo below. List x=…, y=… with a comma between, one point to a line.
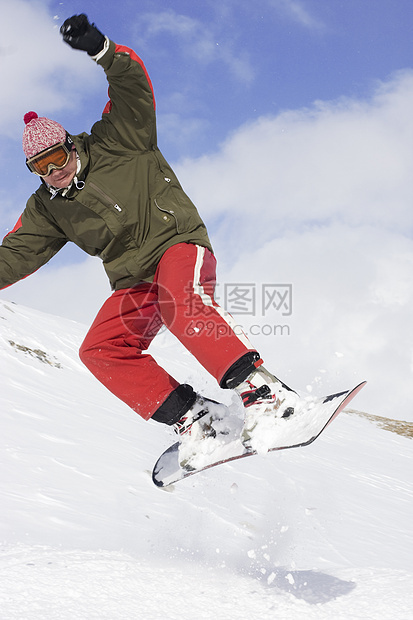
x=54, y=158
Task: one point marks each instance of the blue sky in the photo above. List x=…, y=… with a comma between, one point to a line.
x=217, y=65
x=289, y=123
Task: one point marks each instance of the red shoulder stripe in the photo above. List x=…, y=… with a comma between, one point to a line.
x=16, y=227
x=127, y=50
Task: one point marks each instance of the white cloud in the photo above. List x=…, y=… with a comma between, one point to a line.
x=174, y=131
x=322, y=198
x=75, y=291
x=298, y=12
x=348, y=160
x=204, y=43
x=40, y=71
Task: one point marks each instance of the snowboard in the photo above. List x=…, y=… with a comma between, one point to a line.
x=311, y=418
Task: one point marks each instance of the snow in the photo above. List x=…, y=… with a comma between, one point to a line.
x=322, y=532
x=263, y=427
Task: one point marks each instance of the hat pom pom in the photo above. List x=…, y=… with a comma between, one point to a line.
x=29, y=117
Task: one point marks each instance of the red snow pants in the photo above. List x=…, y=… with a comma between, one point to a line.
x=181, y=297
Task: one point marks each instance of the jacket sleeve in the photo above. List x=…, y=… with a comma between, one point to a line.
x=128, y=119
x=32, y=243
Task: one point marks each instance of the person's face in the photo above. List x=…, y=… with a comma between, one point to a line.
x=62, y=178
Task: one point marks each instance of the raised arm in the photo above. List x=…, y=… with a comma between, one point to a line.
x=129, y=117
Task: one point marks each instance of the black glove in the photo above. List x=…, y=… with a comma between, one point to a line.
x=80, y=34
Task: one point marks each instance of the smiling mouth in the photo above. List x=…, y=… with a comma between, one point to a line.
x=62, y=177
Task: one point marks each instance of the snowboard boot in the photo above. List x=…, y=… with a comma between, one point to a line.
x=265, y=398
x=204, y=421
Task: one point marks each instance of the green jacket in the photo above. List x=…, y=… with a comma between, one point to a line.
x=131, y=208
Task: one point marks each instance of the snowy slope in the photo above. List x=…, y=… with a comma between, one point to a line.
x=317, y=533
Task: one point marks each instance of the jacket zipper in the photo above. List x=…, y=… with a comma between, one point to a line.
x=107, y=198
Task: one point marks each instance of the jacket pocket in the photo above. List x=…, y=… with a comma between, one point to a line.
x=167, y=214
x=174, y=204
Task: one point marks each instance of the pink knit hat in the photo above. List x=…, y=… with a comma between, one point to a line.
x=40, y=133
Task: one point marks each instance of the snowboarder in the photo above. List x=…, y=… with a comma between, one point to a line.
x=112, y=193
